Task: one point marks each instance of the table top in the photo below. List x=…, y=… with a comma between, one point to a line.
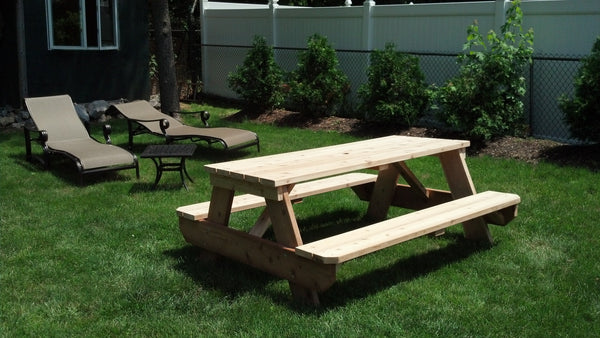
x=298, y=166
x=169, y=150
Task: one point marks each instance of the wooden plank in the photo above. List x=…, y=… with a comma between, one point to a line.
x=284, y=222
x=200, y=210
x=461, y=185
x=383, y=192
x=406, y=197
x=457, y=173
x=287, y=233
x=412, y=180
x=261, y=225
x=295, y=167
x=352, y=244
x=324, y=185
x=248, y=201
x=502, y=217
x=220, y=210
x=254, y=188
x=259, y=253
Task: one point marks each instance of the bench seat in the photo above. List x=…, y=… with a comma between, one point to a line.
x=355, y=243
x=199, y=211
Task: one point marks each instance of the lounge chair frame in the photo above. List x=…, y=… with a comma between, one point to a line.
x=135, y=126
x=32, y=133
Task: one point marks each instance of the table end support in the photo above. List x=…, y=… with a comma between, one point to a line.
x=478, y=230
x=304, y=295
x=461, y=184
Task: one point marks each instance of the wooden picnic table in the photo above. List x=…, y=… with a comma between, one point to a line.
x=278, y=181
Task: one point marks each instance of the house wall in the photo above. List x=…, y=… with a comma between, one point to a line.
x=9, y=89
x=89, y=75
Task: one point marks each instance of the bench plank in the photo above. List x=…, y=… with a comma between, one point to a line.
x=199, y=211
x=355, y=243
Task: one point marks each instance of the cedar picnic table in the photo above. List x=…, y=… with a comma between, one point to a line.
x=278, y=181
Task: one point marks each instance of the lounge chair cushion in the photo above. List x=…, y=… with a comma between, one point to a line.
x=92, y=154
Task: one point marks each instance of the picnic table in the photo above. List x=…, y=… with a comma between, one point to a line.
x=278, y=181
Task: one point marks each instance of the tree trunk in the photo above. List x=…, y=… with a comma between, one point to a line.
x=169, y=96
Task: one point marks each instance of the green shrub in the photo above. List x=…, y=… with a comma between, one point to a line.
x=396, y=90
x=318, y=87
x=582, y=113
x=259, y=80
x=485, y=99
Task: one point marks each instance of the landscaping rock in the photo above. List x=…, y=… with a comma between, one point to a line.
x=96, y=109
x=24, y=114
x=7, y=120
x=155, y=101
x=82, y=112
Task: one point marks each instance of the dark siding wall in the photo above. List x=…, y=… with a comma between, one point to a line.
x=90, y=75
x=9, y=76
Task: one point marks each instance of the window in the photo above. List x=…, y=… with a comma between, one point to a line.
x=82, y=24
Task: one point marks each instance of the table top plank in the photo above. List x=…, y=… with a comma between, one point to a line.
x=303, y=165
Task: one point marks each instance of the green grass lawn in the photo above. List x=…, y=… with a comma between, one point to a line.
x=107, y=258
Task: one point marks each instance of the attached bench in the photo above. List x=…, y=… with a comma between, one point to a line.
x=359, y=242
x=199, y=211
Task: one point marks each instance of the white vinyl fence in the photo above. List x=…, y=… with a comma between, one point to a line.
x=565, y=31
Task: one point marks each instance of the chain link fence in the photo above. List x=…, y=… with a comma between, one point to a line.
x=548, y=77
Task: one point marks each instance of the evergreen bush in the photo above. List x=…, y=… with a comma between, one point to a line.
x=485, y=99
x=582, y=113
x=259, y=80
x=395, y=90
x=318, y=87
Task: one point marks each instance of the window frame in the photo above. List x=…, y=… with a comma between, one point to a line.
x=83, y=36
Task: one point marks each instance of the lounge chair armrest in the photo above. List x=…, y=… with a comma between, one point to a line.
x=107, y=130
x=42, y=138
x=204, y=115
x=164, y=125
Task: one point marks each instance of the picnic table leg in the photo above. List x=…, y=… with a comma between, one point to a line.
x=383, y=192
x=461, y=185
x=219, y=212
x=220, y=205
x=287, y=233
x=261, y=225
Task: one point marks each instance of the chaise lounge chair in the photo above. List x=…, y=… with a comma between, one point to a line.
x=149, y=120
x=62, y=132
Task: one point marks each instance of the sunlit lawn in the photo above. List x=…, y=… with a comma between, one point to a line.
x=107, y=259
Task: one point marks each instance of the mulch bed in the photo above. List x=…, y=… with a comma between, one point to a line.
x=526, y=149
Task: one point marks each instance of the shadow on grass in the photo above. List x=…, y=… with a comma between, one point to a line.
x=402, y=271
x=66, y=170
x=234, y=279
x=164, y=185
x=581, y=156
x=216, y=272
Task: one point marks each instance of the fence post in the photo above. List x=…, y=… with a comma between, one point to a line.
x=500, y=14
x=203, y=48
x=367, y=29
x=273, y=5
